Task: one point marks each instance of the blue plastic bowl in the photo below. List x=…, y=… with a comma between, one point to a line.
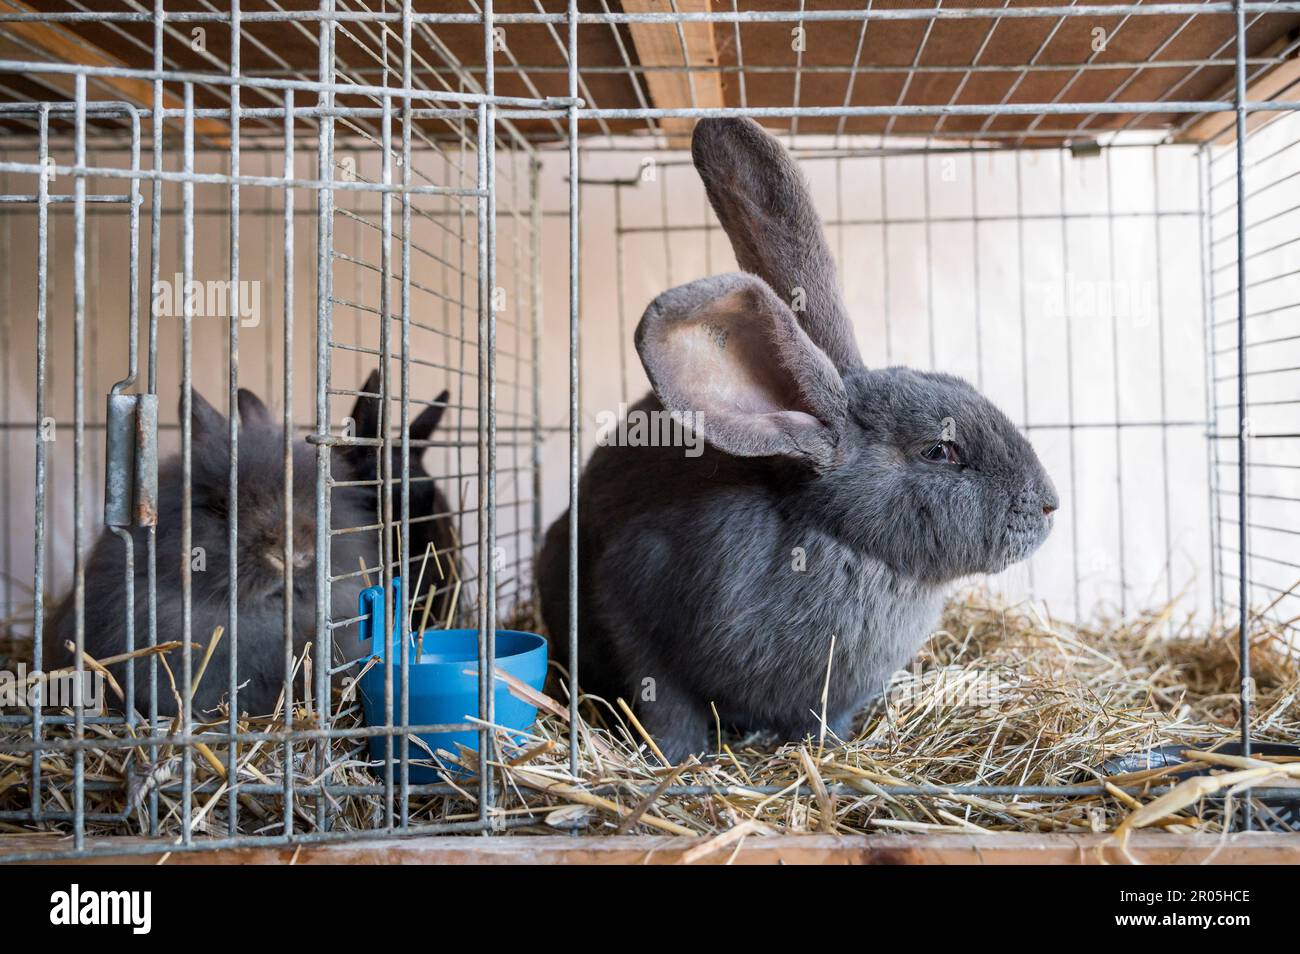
x=444, y=684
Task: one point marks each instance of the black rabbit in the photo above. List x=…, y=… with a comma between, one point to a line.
x=260, y=581
x=832, y=501
x=431, y=520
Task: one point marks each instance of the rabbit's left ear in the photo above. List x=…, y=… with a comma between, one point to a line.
x=727, y=354
x=366, y=409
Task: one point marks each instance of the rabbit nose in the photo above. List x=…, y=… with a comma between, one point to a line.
x=1048, y=509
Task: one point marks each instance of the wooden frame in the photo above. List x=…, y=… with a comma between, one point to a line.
x=1282, y=82
x=1253, y=848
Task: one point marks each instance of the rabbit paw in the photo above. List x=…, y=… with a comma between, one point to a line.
x=679, y=726
x=839, y=727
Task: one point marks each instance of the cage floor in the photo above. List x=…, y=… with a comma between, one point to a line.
x=1001, y=696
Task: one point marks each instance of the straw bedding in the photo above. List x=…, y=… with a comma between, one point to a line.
x=1000, y=696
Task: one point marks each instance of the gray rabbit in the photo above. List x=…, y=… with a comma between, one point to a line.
x=831, y=499
x=261, y=566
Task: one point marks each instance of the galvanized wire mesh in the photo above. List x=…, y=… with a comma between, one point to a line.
x=389, y=199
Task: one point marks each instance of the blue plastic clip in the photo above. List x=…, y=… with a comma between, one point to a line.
x=370, y=606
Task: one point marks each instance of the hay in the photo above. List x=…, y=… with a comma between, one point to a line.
x=1000, y=696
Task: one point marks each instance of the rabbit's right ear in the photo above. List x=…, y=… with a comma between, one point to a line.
x=206, y=421
x=727, y=354
x=764, y=206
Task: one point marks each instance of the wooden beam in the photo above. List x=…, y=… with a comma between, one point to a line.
x=62, y=45
x=660, y=45
x=1281, y=82
x=58, y=84
x=1254, y=848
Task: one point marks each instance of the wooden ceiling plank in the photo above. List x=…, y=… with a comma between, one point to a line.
x=59, y=84
x=64, y=46
x=1280, y=82
x=660, y=45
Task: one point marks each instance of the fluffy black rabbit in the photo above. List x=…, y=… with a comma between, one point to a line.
x=831, y=499
x=260, y=561
x=431, y=520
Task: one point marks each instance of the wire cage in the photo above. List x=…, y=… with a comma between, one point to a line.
x=261, y=205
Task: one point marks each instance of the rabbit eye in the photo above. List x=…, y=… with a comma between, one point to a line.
x=943, y=452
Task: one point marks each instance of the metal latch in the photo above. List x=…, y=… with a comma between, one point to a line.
x=131, y=461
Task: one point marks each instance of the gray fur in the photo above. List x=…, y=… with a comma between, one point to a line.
x=260, y=582
x=689, y=591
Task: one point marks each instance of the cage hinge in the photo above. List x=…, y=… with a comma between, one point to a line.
x=131, y=461
x=1085, y=148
